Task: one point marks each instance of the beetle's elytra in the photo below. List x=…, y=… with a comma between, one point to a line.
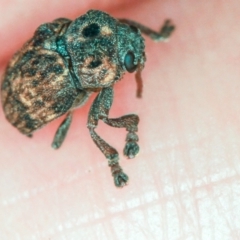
x=63, y=63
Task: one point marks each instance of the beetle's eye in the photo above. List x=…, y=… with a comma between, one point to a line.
x=129, y=62
x=94, y=64
x=91, y=30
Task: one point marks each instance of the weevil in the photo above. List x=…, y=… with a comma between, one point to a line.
x=66, y=61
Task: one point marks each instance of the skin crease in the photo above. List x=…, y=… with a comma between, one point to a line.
x=185, y=182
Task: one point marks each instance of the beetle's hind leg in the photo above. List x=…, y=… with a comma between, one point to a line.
x=164, y=33
x=62, y=131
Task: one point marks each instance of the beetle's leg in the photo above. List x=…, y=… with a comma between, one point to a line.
x=162, y=35
x=100, y=109
x=129, y=122
x=120, y=178
x=62, y=131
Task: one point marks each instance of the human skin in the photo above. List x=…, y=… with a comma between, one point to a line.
x=185, y=182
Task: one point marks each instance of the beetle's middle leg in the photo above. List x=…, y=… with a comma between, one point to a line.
x=62, y=130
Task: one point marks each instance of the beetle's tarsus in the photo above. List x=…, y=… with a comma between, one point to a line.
x=120, y=178
x=131, y=149
x=165, y=31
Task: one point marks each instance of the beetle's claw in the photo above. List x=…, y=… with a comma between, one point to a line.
x=167, y=29
x=120, y=179
x=131, y=149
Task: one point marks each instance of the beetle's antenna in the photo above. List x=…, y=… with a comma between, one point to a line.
x=139, y=82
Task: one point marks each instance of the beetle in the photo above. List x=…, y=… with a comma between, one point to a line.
x=65, y=62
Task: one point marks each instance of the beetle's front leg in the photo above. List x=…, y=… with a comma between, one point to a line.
x=99, y=109
x=162, y=35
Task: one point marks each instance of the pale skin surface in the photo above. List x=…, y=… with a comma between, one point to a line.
x=185, y=182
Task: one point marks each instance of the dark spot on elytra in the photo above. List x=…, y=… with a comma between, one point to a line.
x=35, y=83
x=26, y=117
x=29, y=72
x=5, y=85
x=42, y=33
x=57, y=68
x=50, y=58
x=27, y=56
x=39, y=103
x=18, y=104
x=43, y=73
x=91, y=30
x=35, y=62
x=38, y=41
x=30, y=123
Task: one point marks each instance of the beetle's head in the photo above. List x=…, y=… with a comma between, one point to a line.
x=101, y=49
